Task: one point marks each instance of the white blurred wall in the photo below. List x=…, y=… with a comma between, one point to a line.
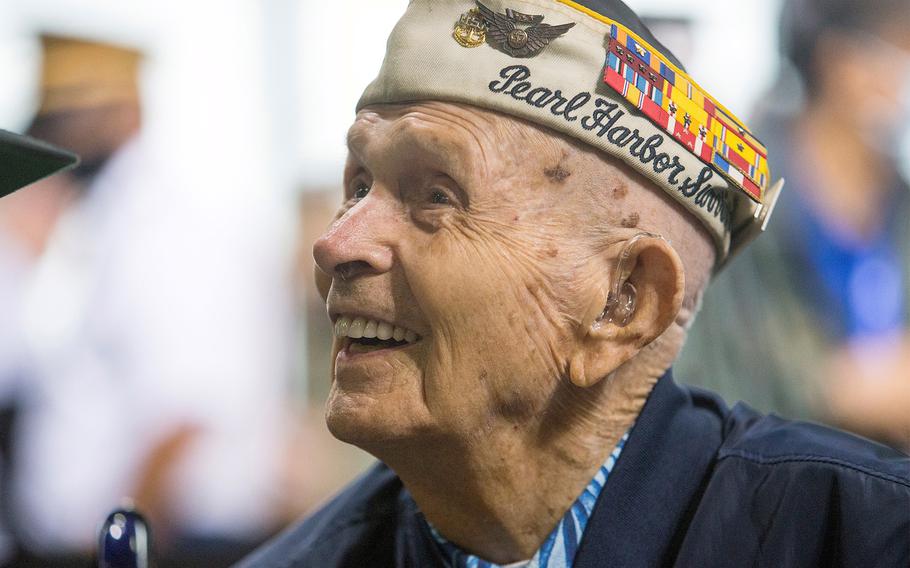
x=342, y=46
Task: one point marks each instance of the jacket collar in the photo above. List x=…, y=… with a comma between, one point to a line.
x=642, y=513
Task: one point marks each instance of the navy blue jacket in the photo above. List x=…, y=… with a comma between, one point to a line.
x=697, y=485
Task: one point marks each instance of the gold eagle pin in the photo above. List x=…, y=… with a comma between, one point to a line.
x=502, y=31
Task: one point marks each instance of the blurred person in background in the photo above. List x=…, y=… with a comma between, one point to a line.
x=153, y=344
x=22, y=161
x=26, y=221
x=822, y=331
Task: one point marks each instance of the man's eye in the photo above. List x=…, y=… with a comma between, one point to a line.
x=361, y=190
x=439, y=198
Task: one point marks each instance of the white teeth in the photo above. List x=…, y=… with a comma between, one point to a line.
x=356, y=330
x=357, y=327
x=342, y=326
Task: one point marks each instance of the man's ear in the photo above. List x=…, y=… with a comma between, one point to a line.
x=653, y=273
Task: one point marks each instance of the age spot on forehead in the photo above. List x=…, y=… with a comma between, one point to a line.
x=631, y=221
x=557, y=174
x=620, y=191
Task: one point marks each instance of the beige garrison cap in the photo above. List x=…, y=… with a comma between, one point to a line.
x=592, y=71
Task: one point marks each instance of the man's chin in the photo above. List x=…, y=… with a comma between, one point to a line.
x=365, y=421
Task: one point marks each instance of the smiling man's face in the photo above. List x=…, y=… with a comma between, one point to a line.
x=459, y=237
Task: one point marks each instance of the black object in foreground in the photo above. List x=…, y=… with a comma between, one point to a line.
x=24, y=160
x=124, y=541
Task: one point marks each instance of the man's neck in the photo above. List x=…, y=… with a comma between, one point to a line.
x=500, y=497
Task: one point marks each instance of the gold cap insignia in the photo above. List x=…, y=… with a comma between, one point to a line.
x=471, y=30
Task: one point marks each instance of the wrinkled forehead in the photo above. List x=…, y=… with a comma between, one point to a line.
x=395, y=139
x=429, y=125
x=451, y=131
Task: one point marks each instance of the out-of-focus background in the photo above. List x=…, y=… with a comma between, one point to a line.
x=161, y=339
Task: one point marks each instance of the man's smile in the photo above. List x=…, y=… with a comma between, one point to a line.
x=360, y=335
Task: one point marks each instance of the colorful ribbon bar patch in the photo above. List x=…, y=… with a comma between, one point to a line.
x=680, y=107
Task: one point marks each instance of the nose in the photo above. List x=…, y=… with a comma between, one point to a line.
x=356, y=244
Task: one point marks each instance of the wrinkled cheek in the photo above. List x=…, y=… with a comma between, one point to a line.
x=484, y=379
x=466, y=265
x=448, y=366
x=479, y=358
x=496, y=324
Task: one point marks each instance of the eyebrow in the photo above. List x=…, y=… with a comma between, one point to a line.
x=442, y=153
x=351, y=142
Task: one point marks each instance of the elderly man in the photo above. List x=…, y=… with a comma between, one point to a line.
x=535, y=198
